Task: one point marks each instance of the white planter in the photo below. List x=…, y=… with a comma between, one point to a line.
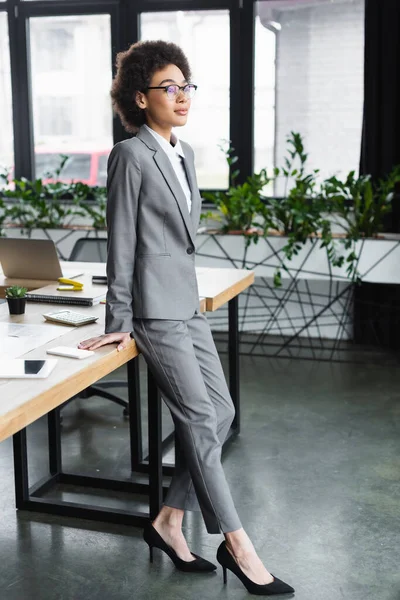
x=380, y=259
x=315, y=300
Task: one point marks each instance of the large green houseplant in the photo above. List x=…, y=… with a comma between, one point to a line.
x=36, y=204
x=300, y=213
x=51, y=205
x=359, y=205
x=241, y=207
x=297, y=216
x=308, y=208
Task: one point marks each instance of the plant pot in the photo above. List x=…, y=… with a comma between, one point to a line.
x=16, y=306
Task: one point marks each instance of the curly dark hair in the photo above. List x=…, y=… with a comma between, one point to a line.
x=135, y=68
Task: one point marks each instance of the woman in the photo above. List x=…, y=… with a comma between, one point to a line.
x=153, y=213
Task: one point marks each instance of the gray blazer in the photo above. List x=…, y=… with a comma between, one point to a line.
x=151, y=235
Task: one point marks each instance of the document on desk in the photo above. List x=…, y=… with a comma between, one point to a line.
x=17, y=339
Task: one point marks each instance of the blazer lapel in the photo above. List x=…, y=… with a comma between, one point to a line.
x=191, y=175
x=167, y=171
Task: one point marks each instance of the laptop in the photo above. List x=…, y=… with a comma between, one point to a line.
x=22, y=258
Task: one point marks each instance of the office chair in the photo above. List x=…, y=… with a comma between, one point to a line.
x=89, y=250
x=95, y=250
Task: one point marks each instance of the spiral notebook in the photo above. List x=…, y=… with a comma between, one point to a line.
x=89, y=296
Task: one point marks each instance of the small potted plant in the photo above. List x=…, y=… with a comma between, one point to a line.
x=16, y=298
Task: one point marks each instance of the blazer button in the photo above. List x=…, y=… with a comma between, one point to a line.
x=189, y=250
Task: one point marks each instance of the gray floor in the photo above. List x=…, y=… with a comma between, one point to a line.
x=315, y=475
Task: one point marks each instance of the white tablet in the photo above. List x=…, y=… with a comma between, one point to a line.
x=18, y=368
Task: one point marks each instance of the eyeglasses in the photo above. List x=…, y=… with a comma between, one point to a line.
x=172, y=91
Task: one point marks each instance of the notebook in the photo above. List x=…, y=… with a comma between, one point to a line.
x=90, y=295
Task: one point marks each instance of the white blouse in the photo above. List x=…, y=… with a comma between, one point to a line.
x=175, y=154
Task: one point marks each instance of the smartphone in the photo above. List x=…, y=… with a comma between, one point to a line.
x=70, y=352
x=99, y=279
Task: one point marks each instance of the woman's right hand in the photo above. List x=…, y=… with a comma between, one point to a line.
x=107, y=338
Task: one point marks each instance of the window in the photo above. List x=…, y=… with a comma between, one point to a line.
x=71, y=81
x=54, y=48
x=309, y=83
x=55, y=115
x=264, y=98
x=46, y=164
x=6, y=137
x=208, y=123
x=77, y=166
x=102, y=170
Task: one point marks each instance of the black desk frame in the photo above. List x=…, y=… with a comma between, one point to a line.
x=33, y=498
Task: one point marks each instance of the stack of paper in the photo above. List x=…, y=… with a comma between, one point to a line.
x=18, y=339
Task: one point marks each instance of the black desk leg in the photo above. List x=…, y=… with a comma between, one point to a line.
x=54, y=429
x=135, y=413
x=20, y=468
x=233, y=350
x=34, y=498
x=155, y=447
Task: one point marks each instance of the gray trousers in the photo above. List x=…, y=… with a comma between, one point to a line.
x=185, y=364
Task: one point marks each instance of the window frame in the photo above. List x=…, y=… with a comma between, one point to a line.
x=4, y=8
x=124, y=31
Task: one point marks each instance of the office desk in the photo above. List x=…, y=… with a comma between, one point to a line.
x=24, y=401
x=22, y=404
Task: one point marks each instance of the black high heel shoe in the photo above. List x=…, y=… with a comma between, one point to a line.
x=154, y=539
x=225, y=558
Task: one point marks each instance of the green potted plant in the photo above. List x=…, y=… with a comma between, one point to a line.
x=361, y=205
x=16, y=298
x=52, y=205
x=54, y=208
x=299, y=214
x=92, y=203
x=243, y=211
x=38, y=205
